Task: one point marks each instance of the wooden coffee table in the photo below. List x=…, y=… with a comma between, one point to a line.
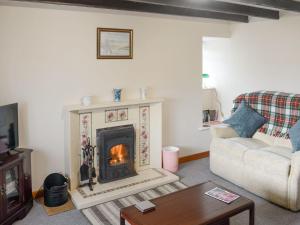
x=189, y=207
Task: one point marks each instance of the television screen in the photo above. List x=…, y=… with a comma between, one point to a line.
x=9, y=137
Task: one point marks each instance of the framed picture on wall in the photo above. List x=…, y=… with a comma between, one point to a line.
x=114, y=43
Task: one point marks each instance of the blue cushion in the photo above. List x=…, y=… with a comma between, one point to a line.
x=295, y=136
x=245, y=121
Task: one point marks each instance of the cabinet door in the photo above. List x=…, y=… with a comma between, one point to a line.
x=13, y=185
x=2, y=208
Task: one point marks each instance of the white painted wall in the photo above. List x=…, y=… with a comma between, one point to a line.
x=48, y=60
x=262, y=55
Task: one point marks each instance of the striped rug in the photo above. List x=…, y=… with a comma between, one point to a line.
x=109, y=213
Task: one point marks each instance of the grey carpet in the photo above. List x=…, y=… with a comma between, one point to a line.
x=191, y=173
x=108, y=213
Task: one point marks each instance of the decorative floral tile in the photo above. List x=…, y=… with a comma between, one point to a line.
x=111, y=116
x=85, y=132
x=144, y=150
x=85, y=128
x=122, y=114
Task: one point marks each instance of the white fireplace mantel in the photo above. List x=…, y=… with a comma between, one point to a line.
x=72, y=131
x=109, y=104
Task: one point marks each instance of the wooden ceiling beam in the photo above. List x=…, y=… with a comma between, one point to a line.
x=149, y=8
x=288, y=5
x=217, y=6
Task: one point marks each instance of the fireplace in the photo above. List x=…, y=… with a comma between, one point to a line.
x=116, y=146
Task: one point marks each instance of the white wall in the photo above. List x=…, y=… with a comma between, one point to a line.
x=262, y=55
x=48, y=60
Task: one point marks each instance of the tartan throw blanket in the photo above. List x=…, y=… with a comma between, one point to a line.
x=281, y=109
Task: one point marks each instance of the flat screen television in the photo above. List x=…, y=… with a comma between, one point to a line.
x=9, y=135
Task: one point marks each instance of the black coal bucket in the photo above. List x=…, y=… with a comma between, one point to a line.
x=55, y=190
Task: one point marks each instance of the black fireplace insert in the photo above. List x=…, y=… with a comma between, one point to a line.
x=116, y=147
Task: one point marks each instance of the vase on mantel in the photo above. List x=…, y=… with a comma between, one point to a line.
x=117, y=94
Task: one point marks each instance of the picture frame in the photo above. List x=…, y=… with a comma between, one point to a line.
x=113, y=43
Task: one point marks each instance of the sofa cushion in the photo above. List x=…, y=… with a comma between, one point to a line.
x=279, y=150
x=283, y=142
x=268, y=163
x=235, y=147
x=274, y=141
x=245, y=121
x=223, y=131
x=295, y=136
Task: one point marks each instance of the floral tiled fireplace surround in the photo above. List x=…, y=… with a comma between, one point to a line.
x=82, y=123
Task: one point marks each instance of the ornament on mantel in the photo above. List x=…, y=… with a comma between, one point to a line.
x=143, y=93
x=86, y=100
x=117, y=94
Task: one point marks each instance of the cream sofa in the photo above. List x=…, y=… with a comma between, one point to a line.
x=264, y=165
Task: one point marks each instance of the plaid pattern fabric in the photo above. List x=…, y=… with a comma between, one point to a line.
x=281, y=109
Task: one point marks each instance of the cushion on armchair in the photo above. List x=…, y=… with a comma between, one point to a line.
x=245, y=121
x=223, y=131
x=295, y=136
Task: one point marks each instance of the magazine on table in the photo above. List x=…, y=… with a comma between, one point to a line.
x=222, y=195
x=145, y=206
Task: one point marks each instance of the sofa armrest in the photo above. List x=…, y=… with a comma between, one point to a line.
x=223, y=131
x=294, y=183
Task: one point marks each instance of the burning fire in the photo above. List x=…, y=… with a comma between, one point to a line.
x=118, y=155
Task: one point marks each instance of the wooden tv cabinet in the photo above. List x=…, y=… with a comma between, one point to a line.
x=15, y=185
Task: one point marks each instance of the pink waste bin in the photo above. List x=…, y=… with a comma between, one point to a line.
x=170, y=158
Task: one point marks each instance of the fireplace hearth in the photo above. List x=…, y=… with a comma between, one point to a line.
x=116, y=149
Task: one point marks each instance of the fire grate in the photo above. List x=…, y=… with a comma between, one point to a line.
x=116, y=149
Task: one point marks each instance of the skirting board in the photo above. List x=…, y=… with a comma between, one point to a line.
x=38, y=194
x=197, y=156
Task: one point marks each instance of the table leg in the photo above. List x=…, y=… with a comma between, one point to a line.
x=251, y=215
x=122, y=221
x=223, y=222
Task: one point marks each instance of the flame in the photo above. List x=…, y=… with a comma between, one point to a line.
x=118, y=155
